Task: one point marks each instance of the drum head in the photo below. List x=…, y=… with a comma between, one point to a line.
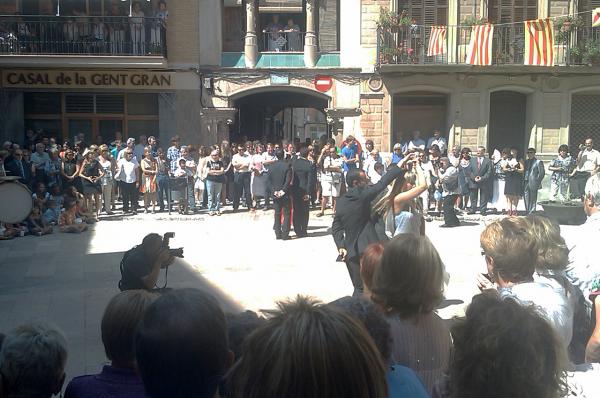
x=16, y=203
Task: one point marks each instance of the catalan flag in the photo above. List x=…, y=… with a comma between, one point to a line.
x=437, y=41
x=595, y=17
x=479, y=51
x=539, y=42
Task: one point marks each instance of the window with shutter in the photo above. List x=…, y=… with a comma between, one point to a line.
x=509, y=11
x=426, y=12
x=79, y=103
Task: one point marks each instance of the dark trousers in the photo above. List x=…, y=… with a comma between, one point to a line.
x=282, y=207
x=448, y=209
x=530, y=199
x=353, y=266
x=129, y=192
x=241, y=182
x=578, y=184
x=162, y=182
x=301, y=214
x=482, y=193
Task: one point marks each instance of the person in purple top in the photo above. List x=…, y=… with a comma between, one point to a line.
x=119, y=323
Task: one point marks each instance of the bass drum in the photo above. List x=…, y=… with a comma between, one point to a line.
x=16, y=203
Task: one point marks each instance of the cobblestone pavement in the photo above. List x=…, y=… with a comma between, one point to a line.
x=68, y=279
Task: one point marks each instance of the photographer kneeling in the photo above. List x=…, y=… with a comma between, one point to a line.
x=141, y=265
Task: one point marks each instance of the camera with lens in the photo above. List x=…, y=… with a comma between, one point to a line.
x=178, y=252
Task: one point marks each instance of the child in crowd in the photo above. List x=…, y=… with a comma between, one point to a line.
x=52, y=212
x=40, y=196
x=37, y=224
x=183, y=171
x=9, y=231
x=56, y=196
x=68, y=221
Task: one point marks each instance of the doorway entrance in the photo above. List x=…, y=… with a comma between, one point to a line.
x=508, y=121
x=274, y=116
x=423, y=111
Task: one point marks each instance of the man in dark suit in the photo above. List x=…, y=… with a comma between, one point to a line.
x=17, y=166
x=301, y=190
x=280, y=178
x=479, y=181
x=534, y=174
x=352, y=230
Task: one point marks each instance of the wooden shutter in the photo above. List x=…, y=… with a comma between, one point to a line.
x=426, y=12
x=510, y=11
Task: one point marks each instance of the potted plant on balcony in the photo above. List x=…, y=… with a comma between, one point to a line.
x=388, y=20
x=591, y=54
x=389, y=55
x=586, y=53
x=472, y=20
x=563, y=27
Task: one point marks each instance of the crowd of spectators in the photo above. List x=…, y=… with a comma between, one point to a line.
x=532, y=332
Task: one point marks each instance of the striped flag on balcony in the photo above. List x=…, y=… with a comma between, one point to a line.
x=437, y=41
x=539, y=42
x=595, y=17
x=480, y=45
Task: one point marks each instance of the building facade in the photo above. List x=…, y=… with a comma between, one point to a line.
x=294, y=70
x=506, y=104
x=99, y=67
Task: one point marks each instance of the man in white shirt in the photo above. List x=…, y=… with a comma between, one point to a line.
x=39, y=162
x=448, y=177
x=416, y=143
x=268, y=159
x=130, y=145
x=128, y=174
x=454, y=156
x=438, y=140
x=584, y=262
x=588, y=163
x=241, y=177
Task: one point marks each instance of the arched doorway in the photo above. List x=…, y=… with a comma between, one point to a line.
x=277, y=115
x=508, y=121
x=419, y=110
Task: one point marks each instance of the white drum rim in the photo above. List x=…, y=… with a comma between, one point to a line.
x=15, y=202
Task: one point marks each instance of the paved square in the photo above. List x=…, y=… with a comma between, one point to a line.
x=68, y=279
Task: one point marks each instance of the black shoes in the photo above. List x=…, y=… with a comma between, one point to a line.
x=449, y=225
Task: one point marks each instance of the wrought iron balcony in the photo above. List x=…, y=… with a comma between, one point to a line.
x=66, y=35
x=283, y=41
x=573, y=45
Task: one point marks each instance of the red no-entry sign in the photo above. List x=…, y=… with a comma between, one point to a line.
x=323, y=83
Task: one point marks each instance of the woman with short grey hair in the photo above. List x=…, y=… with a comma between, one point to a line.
x=32, y=361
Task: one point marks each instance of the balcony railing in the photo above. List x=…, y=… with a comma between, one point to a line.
x=408, y=45
x=283, y=41
x=49, y=35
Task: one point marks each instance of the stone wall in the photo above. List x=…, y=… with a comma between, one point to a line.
x=182, y=33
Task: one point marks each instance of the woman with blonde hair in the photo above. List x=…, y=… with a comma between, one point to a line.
x=408, y=285
x=511, y=255
x=401, y=208
x=149, y=171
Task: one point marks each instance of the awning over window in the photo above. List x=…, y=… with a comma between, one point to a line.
x=283, y=6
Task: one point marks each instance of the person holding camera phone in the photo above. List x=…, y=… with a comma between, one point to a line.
x=141, y=265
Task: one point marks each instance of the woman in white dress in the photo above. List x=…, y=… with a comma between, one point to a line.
x=400, y=208
x=258, y=182
x=498, y=201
